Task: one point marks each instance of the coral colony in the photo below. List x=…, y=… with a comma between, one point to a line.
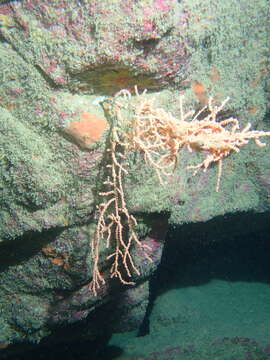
x=159, y=137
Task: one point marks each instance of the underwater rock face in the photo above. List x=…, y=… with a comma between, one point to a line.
x=59, y=60
x=100, y=46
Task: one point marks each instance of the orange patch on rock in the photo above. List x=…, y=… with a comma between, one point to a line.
x=86, y=131
x=200, y=92
x=252, y=109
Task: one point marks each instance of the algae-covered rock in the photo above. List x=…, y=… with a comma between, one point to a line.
x=59, y=62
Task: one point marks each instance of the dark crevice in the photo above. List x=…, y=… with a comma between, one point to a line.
x=16, y=251
x=231, y=248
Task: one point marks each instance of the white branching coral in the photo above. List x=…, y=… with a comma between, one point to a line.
x=159, y=136
x=115, y=225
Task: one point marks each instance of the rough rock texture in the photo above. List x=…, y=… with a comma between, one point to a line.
x=58, y=60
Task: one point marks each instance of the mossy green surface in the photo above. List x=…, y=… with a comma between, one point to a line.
x=229, y=41
x=49, y=186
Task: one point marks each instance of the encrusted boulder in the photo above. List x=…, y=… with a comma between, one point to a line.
x=60, y=61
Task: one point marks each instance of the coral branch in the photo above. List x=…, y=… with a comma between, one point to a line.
x=159, y=136
x=115, y=225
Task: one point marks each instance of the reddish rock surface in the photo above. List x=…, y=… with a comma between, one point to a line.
x=86, y=131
